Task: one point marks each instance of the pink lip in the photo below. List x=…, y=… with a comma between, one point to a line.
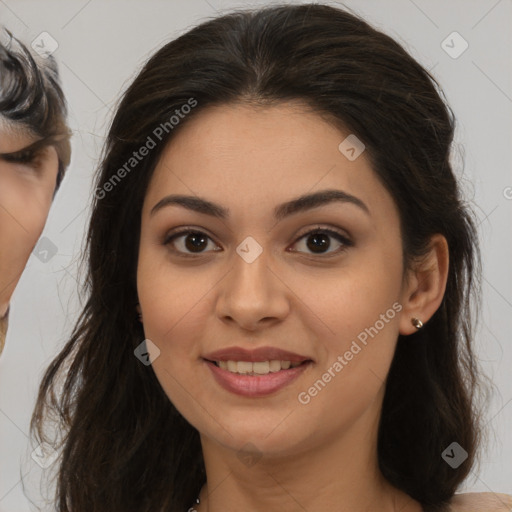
x=255, y=386
x=255, y=355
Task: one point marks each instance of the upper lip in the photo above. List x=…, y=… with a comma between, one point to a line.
x=255, y=355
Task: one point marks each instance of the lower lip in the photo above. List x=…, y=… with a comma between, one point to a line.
x=255, y=386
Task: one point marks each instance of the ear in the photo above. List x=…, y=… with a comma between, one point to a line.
x=139, y=312
x=425, y=284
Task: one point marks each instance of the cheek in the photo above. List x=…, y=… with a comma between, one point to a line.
x=172, y=300
x=349, y=382
x=23, y=211
x=359, y=308
x=175, y=311
x=342, y=302
x=26, y=197
x=24, y=207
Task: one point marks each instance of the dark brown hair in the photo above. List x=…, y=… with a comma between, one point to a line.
x=125, y=446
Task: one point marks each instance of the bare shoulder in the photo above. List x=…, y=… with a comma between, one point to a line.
x=481, y=502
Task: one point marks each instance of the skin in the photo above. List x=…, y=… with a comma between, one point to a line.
x=315, y=304
x=26, y=192
x=481, y=502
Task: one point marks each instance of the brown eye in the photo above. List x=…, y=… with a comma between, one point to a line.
x=193, y=242
x=318, y=241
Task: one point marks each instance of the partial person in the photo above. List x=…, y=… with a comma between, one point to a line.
x=34, y=154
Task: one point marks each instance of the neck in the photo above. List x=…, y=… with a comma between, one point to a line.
x=340, y=473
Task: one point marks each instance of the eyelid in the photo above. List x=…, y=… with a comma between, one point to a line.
x=183, y=230
x=23, y=157
x=326, y=229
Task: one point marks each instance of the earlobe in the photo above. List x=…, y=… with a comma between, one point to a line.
x=424, y=289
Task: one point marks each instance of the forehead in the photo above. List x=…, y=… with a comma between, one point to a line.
x=288, y=130
x=260, y=156
x=14, y=136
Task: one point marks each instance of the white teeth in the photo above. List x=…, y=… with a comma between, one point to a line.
x=256, y=368
x=244, y=367
x=275, y=366
x=261, y=367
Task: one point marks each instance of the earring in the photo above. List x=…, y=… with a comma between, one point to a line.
x=417, y=323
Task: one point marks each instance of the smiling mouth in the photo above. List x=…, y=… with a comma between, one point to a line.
x=256, y=368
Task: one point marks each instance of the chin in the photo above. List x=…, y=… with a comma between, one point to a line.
x=272, y=436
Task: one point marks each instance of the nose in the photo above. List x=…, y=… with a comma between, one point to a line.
x=252, y=294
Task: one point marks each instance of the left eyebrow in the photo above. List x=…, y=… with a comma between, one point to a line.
x=300, y=204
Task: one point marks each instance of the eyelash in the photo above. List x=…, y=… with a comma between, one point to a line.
x=318, y=230
x=21, y=157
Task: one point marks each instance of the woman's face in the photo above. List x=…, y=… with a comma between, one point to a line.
x=27, y=184
x=251, y=279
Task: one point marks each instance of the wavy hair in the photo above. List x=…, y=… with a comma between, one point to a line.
x=118, y=431
x=32, y=100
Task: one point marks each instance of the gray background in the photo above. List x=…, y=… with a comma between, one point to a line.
x=102, y=44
